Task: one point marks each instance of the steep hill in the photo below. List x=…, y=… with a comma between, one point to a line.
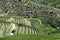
x=29, y=20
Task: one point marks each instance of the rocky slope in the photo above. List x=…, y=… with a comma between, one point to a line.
x=27, y=8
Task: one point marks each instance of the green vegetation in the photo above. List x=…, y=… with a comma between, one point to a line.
x=27, y=37
x=32, y=37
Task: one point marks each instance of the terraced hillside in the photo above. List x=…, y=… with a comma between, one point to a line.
x=20, y=25
x=10, y=26
x=36, y=27
x=28, y=20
